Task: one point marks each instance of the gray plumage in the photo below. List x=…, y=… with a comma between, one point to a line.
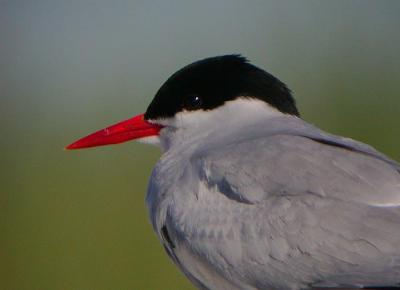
x=280, y=205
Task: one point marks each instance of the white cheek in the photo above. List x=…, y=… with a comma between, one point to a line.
x=152, y=140
x=190, y=125
x=236, y=111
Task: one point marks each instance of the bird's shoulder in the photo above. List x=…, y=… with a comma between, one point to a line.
x=288, y=156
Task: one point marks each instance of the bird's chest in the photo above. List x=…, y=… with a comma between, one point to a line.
x=215, y=240
x=201, y=231
x=193, y=224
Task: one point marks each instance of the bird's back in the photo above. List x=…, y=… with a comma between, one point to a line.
x=284, y=207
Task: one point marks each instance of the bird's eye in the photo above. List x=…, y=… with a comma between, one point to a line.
x=192, y=102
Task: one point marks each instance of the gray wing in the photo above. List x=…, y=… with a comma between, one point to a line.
x=341, y=197
x=292, y=157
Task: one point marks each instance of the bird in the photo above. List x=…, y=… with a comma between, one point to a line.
x=248, y=195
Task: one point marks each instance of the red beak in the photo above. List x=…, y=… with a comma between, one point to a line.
x=134, y=128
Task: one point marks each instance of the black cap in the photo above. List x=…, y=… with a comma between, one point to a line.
x=209, y=83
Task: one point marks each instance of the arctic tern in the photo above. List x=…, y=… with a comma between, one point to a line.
x=247, y=195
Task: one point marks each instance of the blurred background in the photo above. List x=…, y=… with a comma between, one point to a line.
x=77, y=220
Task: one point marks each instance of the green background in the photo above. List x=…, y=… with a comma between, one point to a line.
x=77, y=220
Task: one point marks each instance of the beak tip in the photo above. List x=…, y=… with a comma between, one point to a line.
x=72, y=146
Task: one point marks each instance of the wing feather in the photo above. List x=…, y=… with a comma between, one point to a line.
x=330, y=206
x=303, y=161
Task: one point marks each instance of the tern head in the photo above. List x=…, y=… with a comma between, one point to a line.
x=213, y=92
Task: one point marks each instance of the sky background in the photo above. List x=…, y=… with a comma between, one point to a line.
x=77, y=220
